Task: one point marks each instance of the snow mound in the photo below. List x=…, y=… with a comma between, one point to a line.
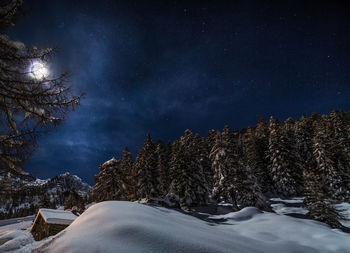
x=14, y=240
x=281, y=208
x=117, y=226
x=345, y=210
x=291, y=201
x=242, y=215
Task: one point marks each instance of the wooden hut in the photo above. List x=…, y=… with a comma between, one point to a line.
x=50, y=221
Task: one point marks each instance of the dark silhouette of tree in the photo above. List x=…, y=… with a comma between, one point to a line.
x=128, y=173
x=45, y=201
x=147, y=170
x=30, y=104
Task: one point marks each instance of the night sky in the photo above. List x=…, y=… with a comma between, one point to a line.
x=165, y=66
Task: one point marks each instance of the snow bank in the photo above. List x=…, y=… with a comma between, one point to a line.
x=290, y=201
x=345, y=208
x=281, y=208
x=14, y=240
x=116, y=226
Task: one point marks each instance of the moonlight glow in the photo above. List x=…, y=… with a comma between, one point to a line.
x=38, y=71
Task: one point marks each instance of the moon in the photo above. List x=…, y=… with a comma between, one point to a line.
x=39, y=71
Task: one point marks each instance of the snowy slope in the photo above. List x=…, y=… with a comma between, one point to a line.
x=116, y=226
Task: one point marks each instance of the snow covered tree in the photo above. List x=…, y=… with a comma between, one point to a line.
x=31, y=101
x=110, y=184
x=163, y=168
x=225, y=161
x=74, y=202
x=189, y=181
x=45, y=201
x=249, y=190
x=255, y=160
x=342, y=150
x=325, y=147
x=288, y=132
x=303, y=138
x=317, y=200
x=244, y=173
x=202, y=172
x=210, y=140
x=261, y=144
x=282, y=161
x=128, y=173
x=147, y=170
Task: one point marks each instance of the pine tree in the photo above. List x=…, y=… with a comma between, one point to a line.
x=201, y=169
x=342, y=151
x=288, y=131
x=204, y=161
x=225, y=162
x=317, y=200
x=147, y=170
x=110, y=184
x=74, y=202
x=250, y=190
x=303, y=138
x=210, y=140
x=163, y=168
x=45, y=201
x=255, y=159
x=282, y=161
x=262, y=145
x=128, y=173
x=189, y=181
x=325, y=147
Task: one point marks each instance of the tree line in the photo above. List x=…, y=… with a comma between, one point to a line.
x=308, y=157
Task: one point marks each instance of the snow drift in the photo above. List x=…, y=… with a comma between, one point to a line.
x=117, y=226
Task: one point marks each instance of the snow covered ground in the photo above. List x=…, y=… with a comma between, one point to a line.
x=17, y=238
x=117, y=226
x=288, y=206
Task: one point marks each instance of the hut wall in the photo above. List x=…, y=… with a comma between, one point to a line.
x=42, y=230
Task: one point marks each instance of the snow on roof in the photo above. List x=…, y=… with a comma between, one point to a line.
x=53, y=216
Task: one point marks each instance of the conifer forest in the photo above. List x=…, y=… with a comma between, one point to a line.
x=308, y=157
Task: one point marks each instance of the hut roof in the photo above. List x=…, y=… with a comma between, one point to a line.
x=53, y=216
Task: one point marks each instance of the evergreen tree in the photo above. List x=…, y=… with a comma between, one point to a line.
x=147, y=170
x=288, y=131
x=250, y=190
x=110, y=184
x=225, y=162
x=261, y=147
x=342, y=151
x=255, y=160
x=210, y=140
x=320, y=207
x=45, y=201
x=128, y=173
x=282, y=161
x=189, y=181
x=163, y=168
x=325, y=147
x=74, y=202
x=204, y=161
x=303, y=138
